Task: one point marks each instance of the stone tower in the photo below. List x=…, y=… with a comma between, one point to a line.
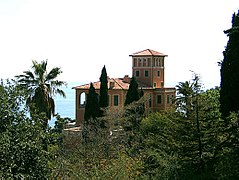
x=148, y=68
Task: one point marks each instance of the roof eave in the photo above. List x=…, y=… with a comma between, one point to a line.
x=163, y=55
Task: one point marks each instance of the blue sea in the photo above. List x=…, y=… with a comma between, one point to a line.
x=65, y=107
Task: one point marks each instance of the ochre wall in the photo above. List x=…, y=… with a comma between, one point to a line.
x=80, y=110
x=122, y=95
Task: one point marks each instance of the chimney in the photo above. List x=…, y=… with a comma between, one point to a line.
x=112, y=84
x=126, y=79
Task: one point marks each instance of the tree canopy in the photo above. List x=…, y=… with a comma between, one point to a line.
x=103, y=101
x=22, y=153
x=41, y=87
x=229, y=96
x=133, y=92
x=92, y=108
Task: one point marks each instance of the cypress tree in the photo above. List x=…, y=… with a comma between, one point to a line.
x=92, y=105
x=133, y=92
x=103, y=89
x=229, y=96
x=133, y=115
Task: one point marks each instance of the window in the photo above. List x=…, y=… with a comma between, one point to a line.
x=137, y=73
x=172, y=99
x=168, y=99
x=159, y=99
x=155, y=84
x=157, y=62
x=144, y=62
x=158, y=73
x=146, y=73
x=116, y=100
x=82, y=99
x=139, y=62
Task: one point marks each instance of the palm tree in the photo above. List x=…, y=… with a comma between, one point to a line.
x=188, y=93
x=41, y=86
x=185, y=95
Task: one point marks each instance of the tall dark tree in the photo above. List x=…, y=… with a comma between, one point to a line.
x=92, y=112
x=103, y=102
x=92, y=108
x=133, y=115
x=229, y=96
x=133, y=92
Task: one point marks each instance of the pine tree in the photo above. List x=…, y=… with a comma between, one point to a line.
x=133, y=92
x=92, y=105
x=103, y=89
x=189, y=106
x=229, y=96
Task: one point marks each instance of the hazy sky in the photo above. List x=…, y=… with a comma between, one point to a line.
x=81, y=36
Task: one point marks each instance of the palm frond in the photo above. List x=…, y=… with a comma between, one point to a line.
x=29, y=74
x=57, y=83
x=40, y=70
x=44, y=64
x=21, y=76
x=53, y=73
x=61, y=93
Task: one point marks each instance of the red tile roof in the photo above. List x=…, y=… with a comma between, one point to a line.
x=113, y=83
x=117, y=83
x=148, y=52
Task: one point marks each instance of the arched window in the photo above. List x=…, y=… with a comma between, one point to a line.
x=82, y=99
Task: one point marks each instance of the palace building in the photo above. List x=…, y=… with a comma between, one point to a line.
x=148, y=69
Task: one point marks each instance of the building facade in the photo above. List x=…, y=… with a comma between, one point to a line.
x=148, y=69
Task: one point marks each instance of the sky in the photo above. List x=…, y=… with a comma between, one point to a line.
x=81, y=36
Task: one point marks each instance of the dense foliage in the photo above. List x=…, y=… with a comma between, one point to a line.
x=189, y=142
x=22, y=152
x=229, y=96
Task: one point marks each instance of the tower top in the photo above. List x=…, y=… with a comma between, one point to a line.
x=148, y=52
